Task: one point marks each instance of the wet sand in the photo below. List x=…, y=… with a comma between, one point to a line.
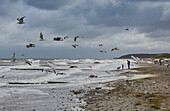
x=147, y=94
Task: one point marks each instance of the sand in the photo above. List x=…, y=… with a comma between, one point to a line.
x=147, y=94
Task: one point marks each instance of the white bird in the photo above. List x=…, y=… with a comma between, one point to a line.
x=30, y=45
x=100, y=44
x=28, y=62
x=41, y=37
x=75, y=38
x=52, y=67
x=2, y=76
x=75, y=45
x=127, y=29
x=115, y=49
x=21, y=20
x=66, y=37
x=58, y=39
x=102, y=51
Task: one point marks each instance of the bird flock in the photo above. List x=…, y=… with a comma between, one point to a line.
x=21, y=21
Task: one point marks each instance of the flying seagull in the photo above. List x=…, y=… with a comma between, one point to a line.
x=2, y=76
x=75, y=38
x=13, y=57
x=127, y=29
x=66, y=37
x=58, y=39
x=20, y=20
x=102, y=51
x=52, y=67
x=115, y=49
x=30, y=45
x=75, y=45
x=100, y=44
x=41, y=37
x=28, y=62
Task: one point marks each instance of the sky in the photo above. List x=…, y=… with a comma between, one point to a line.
x=96, y=21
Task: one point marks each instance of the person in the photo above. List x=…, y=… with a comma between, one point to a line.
x=122, y=66
x=128, y=63
x=160, y=62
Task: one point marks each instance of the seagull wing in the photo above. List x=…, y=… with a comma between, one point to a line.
x=52, y=67
x=22, y=18
x=75, y=38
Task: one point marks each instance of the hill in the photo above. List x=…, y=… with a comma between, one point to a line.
x=161, y=55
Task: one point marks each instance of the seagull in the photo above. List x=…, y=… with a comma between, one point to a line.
x=102, y=51
x=41, y=37
x=115, y=49
x=22, y=54
x=20, y=20
x=75, y=38
x=52, y=67
x=2, y=76
x=30, y=45
x=58, y=39
x=75, y=45
x=13, y=57
x=66, y=37
x=100, y=44
x=127, y=29
x=28, y=62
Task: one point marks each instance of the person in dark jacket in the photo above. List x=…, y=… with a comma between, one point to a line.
x=128, y=63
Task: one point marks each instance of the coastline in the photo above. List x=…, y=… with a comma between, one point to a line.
x=150, y=93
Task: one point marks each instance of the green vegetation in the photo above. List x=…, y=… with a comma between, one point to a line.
x=161, y=56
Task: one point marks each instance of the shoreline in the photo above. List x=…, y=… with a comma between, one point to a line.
x=150, y=93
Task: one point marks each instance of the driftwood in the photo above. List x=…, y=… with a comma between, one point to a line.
x=21, y=83
x=49, y=82
x=73, y=66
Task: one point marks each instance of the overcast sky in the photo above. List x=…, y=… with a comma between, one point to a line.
x=98, y=21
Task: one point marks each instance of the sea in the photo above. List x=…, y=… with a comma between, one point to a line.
x=49, y=84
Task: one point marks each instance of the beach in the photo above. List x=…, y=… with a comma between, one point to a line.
x=146, y=94
x=25, y=87
x=83, y=84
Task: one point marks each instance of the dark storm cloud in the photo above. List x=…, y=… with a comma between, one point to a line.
x=48, y=4
x=146, y=0
x=99, y=21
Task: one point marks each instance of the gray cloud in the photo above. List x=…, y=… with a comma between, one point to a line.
x=49, y=5
x=99, y=21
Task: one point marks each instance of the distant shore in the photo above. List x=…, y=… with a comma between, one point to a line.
x=147, y=94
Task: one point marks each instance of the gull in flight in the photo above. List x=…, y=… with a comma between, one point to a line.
x=66, y=37
x=30, y=45
x=13, y=57
x=75, y=38
x=28, y=62
x=21, y=20
x=115, y=49
x=127, y=29
x=2, y=76
x=41, y=37
x=52, y=67
x=102, y=51
x=75, y=45
x=100, y=44
x=58, y=39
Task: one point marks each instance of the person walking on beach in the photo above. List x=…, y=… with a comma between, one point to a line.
x=122, y=66
x=128, y=63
